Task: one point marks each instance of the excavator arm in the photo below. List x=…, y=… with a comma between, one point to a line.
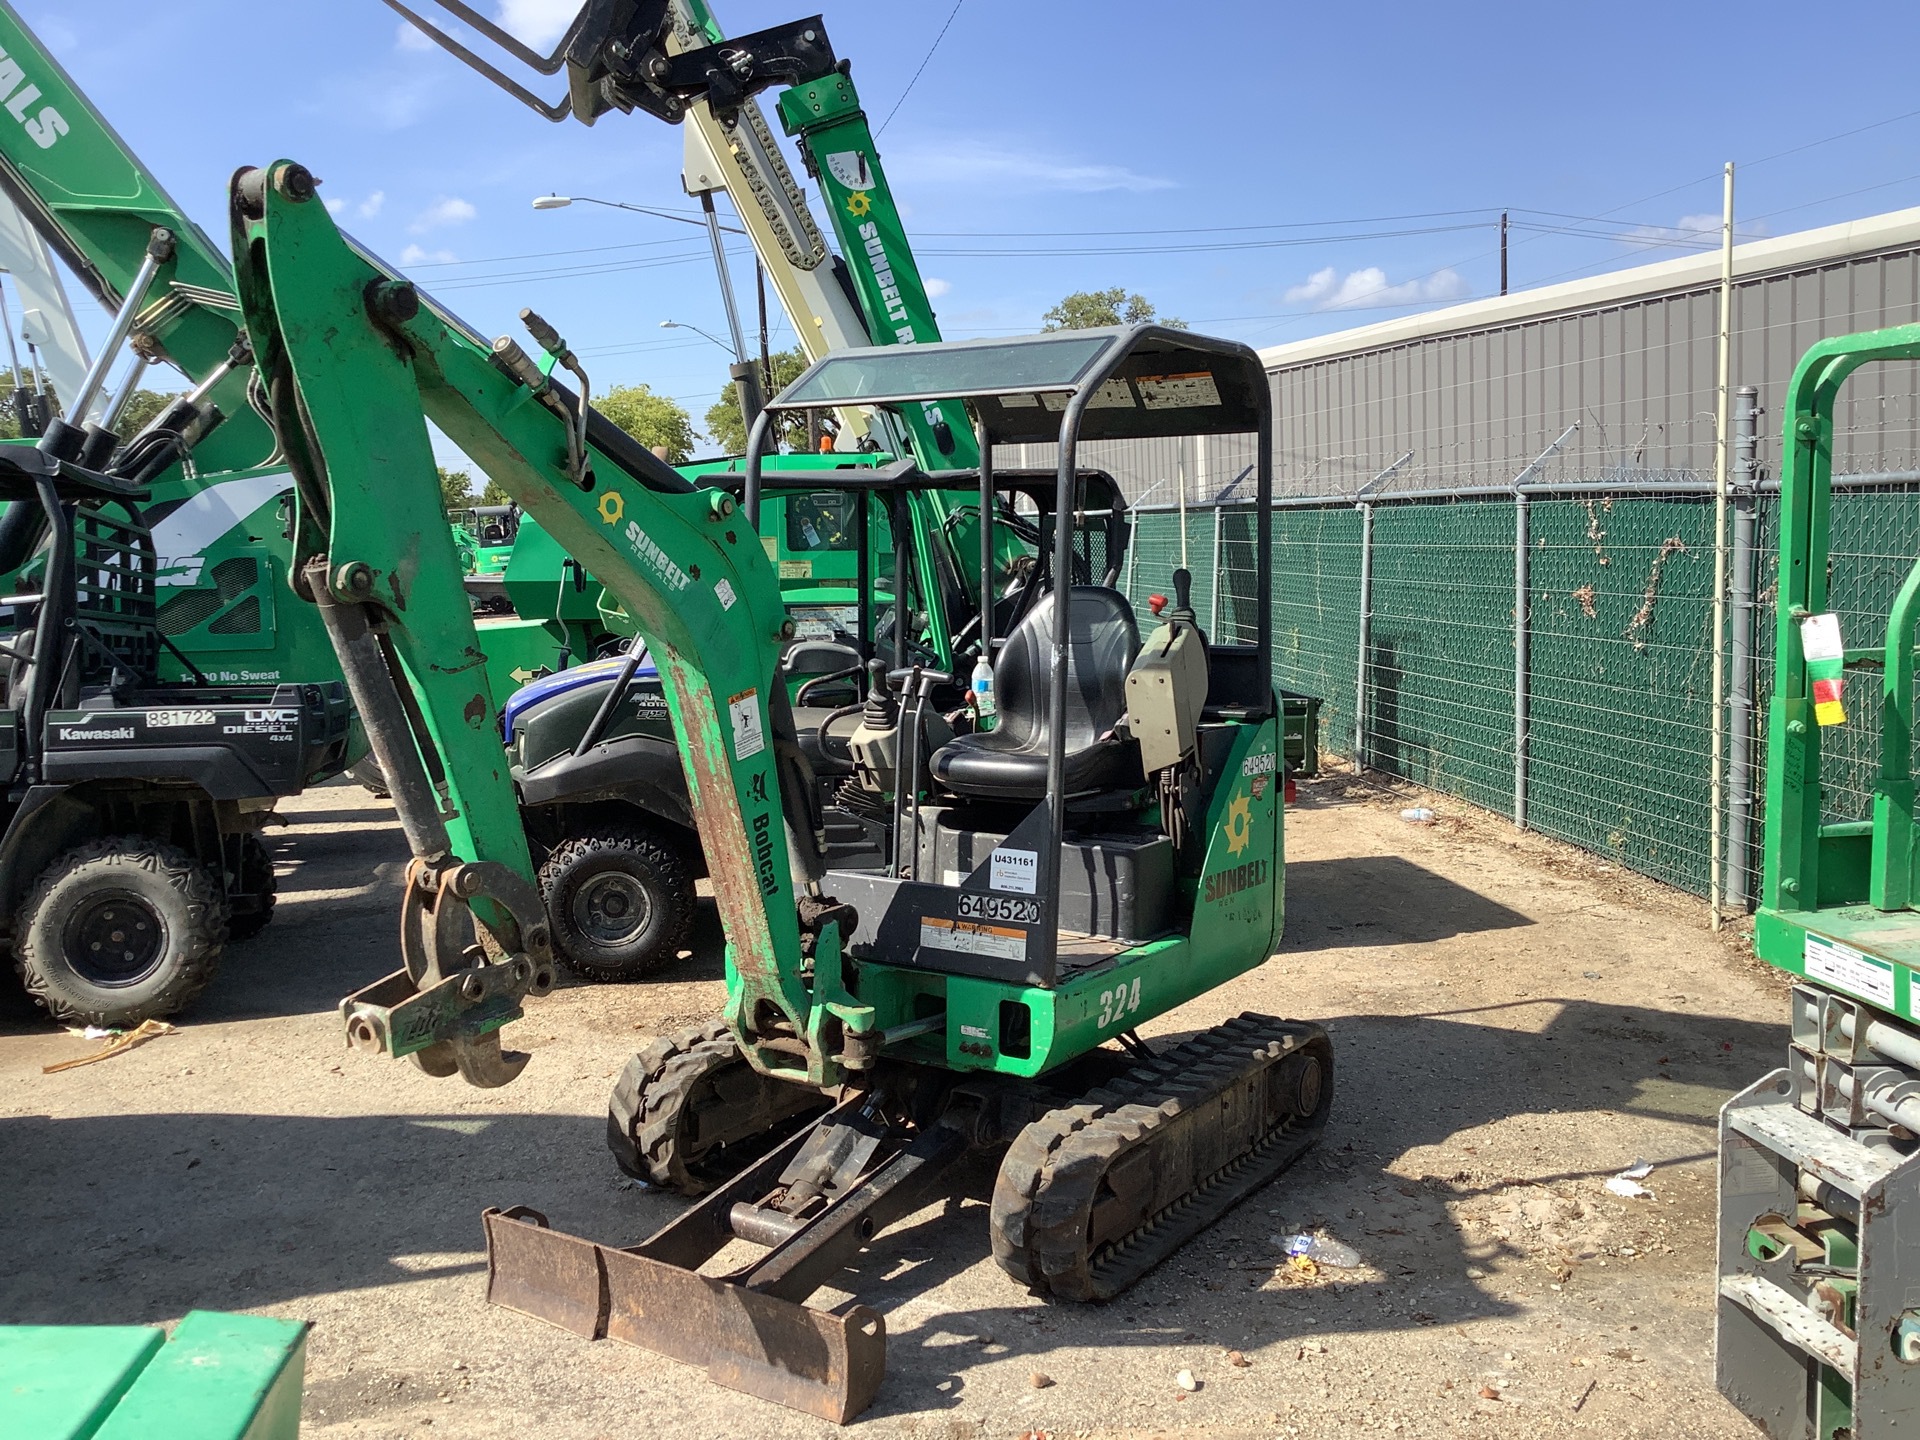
x=356, y=361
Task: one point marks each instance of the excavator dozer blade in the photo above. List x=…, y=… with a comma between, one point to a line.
x=825, y=1363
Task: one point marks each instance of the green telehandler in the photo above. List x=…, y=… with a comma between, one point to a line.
x=1029, y=895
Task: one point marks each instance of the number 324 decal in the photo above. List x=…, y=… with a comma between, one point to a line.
x=1118, y=1003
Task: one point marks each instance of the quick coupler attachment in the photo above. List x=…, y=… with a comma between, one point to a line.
x=1817, y=1329
x=449, y=1027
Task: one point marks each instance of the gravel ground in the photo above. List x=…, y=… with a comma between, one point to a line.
x=1514, y=1022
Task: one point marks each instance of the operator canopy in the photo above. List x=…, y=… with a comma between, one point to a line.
x=1140, y=381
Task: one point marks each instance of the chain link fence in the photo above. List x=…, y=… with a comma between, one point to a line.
x=1603, y=690
x=1538, y=639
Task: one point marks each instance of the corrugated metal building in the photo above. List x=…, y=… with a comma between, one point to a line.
x=1472, y=393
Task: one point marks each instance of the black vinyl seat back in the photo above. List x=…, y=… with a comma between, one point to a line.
x=1010, y=761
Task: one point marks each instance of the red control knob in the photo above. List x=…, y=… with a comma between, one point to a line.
x=1156, y=603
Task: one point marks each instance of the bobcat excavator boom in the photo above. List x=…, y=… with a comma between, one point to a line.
x=354, y=364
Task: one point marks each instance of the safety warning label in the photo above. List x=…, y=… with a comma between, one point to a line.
x=966, y=939
x=749, y=737
x=1846, y=967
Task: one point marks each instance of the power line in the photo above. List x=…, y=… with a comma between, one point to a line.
x=917, y=74
x=1684, y=185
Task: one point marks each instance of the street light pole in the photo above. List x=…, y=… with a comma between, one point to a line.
x=745, y=380
x=745, y=374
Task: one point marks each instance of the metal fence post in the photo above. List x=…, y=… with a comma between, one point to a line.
x=1219, y=578
x=1736, y=887
x=1366, y=627
x=1522, y=638
x=1523, y=622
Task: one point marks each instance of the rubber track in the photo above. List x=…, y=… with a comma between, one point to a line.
x=646, y=1117
x=650, y=1097
x=1052, y=1176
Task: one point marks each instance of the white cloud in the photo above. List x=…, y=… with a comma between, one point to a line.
x=408, y=37
x=335, y=204
x=413, y=255
x=1694, y=232
x=537, y=22
x=937, y=288
x=448, y=210
x=1016, y=169
x=1367, y=289
x=370, y=206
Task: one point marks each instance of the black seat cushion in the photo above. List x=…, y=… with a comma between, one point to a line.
x=1009, y=762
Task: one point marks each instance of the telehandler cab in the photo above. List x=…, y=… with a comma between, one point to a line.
x=1027, y=896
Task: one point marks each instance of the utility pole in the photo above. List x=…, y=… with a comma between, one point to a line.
x=1503, y=252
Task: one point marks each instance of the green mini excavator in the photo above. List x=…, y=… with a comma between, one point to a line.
x=952, y=950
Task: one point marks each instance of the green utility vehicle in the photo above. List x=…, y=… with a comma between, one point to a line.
x=130, y=853
x=1818, y=1332
x=1026, y=897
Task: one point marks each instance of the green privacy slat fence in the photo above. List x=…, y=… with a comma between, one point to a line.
x=1440, y=653
x=1619, y=677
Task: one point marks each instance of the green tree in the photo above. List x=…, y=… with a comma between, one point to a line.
x=1094, y=309
x=140, y=409
x=653, y=420
x=729, y=430
x=456, y=489
x=495, y=494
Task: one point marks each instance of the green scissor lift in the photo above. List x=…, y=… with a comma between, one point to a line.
x=1818, y=1332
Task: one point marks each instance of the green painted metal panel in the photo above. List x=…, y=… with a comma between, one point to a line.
x=218, y=1377
x=58, y=1382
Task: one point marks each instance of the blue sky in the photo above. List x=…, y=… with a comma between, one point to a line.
x=1266, y=171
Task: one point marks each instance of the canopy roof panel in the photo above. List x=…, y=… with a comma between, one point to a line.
x=1139, y=380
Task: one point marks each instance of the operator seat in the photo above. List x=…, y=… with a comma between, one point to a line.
x=1009, y=762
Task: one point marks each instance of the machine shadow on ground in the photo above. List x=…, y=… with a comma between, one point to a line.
x=116, y=1200
x=139, y=1217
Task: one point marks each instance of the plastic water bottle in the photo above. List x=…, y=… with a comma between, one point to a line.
x=982, y=686
x=1323, y=1250
x=1418, y=815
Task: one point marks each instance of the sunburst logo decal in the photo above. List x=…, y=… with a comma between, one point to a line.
x=858, y=203
x=1239, y=824
x=612, y=507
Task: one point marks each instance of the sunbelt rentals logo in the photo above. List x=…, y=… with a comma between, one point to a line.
x=44, y=125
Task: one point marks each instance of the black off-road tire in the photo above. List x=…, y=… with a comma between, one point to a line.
x=256, y=878
x=620, y=903
x=120, y=930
